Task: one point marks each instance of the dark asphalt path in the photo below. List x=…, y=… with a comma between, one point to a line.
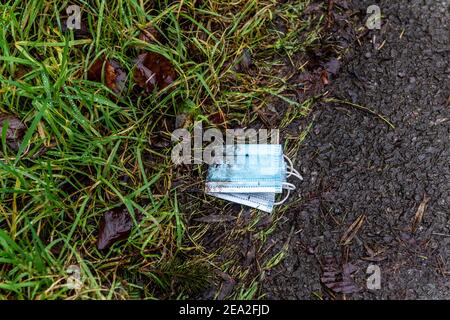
x=354, y=164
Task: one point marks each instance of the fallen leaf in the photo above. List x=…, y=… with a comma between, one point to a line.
x=121, y=77
x=115, y=76
x=14, y=132
x=352, y=230
x=95, y=71
x=150, y=35
x=115, y=225
x=419, y=214
x=153, y=71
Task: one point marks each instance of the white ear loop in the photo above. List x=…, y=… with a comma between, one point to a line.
x=287, y=185
x=284, y=199
x=293, y=172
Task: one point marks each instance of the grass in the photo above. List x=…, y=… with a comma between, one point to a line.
x=87, y=150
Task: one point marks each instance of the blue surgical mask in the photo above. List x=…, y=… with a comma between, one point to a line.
x=251, y=174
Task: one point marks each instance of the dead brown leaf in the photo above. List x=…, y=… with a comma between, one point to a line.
x=14, y=132
x=150, y=35
x=115, y=225
x=153, y=71
x=115, y=76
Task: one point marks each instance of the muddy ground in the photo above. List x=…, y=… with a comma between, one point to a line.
x=396, y=181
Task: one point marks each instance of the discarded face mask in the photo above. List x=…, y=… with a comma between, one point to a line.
x=251, y=174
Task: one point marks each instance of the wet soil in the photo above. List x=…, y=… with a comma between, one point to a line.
x=355, y=165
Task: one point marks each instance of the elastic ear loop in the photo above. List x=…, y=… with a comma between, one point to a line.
x=286, y=185
x=290, y=187
x=293, y=171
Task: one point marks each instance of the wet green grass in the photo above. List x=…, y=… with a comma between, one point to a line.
x=87, y=150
